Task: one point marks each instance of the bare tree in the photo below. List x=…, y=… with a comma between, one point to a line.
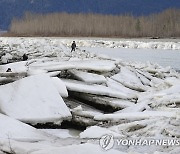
x=164, y=24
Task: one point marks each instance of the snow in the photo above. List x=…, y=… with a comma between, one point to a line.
x=34, y=100
x=88, y=77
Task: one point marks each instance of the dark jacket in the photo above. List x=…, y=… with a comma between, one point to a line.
x=73, y=46
x=25, y=57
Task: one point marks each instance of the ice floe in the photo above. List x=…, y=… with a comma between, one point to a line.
x=129, y=79
x=94, y=89
x=33, y=100
x=61, y=87
x=88, y=77
x=15, y=130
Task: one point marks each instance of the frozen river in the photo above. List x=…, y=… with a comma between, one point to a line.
x=161, y=57
x=165, y=52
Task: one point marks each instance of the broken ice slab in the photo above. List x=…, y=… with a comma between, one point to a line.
x=129, y=79
x=4, y=80
x=82, y=114
x=88, y=77
x=121, y=88
x=60, y=86
x=33, y=100
x=16, y=130
x=135, y=115
x=12, y=74
x=35, y=72
x=103, y=103
x=94, y=65
x=16, y=67
x=77, y=86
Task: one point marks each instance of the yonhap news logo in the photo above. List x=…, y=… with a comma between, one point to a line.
x=108, y=141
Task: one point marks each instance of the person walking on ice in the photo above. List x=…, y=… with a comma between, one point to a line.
x=73, y=46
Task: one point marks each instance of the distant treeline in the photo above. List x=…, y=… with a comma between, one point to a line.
x=164, y=24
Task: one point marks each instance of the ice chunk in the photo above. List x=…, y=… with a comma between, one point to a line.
x=95, y=65
x=78, y=86
x=61, y=87
x=15, y=67
x=88, y=77
x=129, y=79
x=14, y=129
x=53, y=74
x=122, y=103
x=6, y=58
x=120, y=87
x=135, y=115
x=79, y=111
x=36, y=71
x=34, y=100
x=172, y=90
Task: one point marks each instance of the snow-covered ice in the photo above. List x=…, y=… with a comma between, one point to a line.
x=96, y=65
x=129, y=79
x=15, y=67
x=61, y=87
x=94, y=89
x=15, y=130
x=120, y=87
x=33, y=100
x=88, y=77
x=135, y=115
x=79, y=111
